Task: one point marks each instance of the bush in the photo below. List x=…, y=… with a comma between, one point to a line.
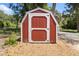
x=70, y=24
x=11, y=40
x=9, y=24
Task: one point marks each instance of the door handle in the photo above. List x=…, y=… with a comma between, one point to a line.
x=47, y=28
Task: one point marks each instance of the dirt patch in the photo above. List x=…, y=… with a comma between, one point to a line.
x=24, y=49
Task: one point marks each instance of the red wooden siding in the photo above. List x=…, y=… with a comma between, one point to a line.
x=52, y=30
x=25, y=30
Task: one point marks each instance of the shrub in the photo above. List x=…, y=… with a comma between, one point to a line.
x=69, y=24
x=11, y=40
x=9, y=24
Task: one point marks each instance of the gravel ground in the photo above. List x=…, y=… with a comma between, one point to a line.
x=72, y=38
x=29, y=49
x=61, y=48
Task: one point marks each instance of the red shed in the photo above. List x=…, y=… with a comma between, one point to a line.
x=39, y=26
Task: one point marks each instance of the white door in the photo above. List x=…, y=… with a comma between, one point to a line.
x=40, y=33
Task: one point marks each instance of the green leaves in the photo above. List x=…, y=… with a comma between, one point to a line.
x=72, y=14
x=6, y=20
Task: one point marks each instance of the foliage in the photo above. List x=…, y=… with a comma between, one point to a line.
x=56, y=13
x=73, y=10
x=11, y=40
x=6, y=20
x=21, y=8
x=53, y=7
x=69, y=24
x=9, y=24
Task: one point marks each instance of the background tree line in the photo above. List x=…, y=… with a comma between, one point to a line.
x=6, y=20
x=69, y=19
x=71, y=16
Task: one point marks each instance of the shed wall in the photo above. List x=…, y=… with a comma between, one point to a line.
x=52, y=30
x=25, y=30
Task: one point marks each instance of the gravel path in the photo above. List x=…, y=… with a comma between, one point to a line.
x=70, y=37
x=2, y=41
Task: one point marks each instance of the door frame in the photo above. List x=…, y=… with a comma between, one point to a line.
x=30, y=15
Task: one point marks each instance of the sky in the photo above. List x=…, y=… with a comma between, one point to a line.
x=5, y=9
x=60, y=7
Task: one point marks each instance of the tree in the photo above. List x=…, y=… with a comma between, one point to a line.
x=5, y=19
x=21, y=8
x=56, y=13
x=53, y=7
x=73, y=9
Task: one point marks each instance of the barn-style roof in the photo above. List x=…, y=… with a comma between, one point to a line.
x=41, y=10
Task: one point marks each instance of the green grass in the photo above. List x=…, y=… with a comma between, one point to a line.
x=70, y=30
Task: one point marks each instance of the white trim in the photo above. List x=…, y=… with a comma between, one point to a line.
x=21, y=33
x=39, y=29
x=38, y=8
x=29, y=27
x=38, y=14
x=46, y=29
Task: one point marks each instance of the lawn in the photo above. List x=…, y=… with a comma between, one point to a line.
x=70, y=30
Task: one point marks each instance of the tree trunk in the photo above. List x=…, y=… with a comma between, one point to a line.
x=78, y=26
x=17, y=18
x=77, y=16
x=53, y=7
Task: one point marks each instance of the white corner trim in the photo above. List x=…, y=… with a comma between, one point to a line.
x=21, y=33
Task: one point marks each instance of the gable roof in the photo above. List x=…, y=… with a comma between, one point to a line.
x=37, y=9
x=42, y=10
